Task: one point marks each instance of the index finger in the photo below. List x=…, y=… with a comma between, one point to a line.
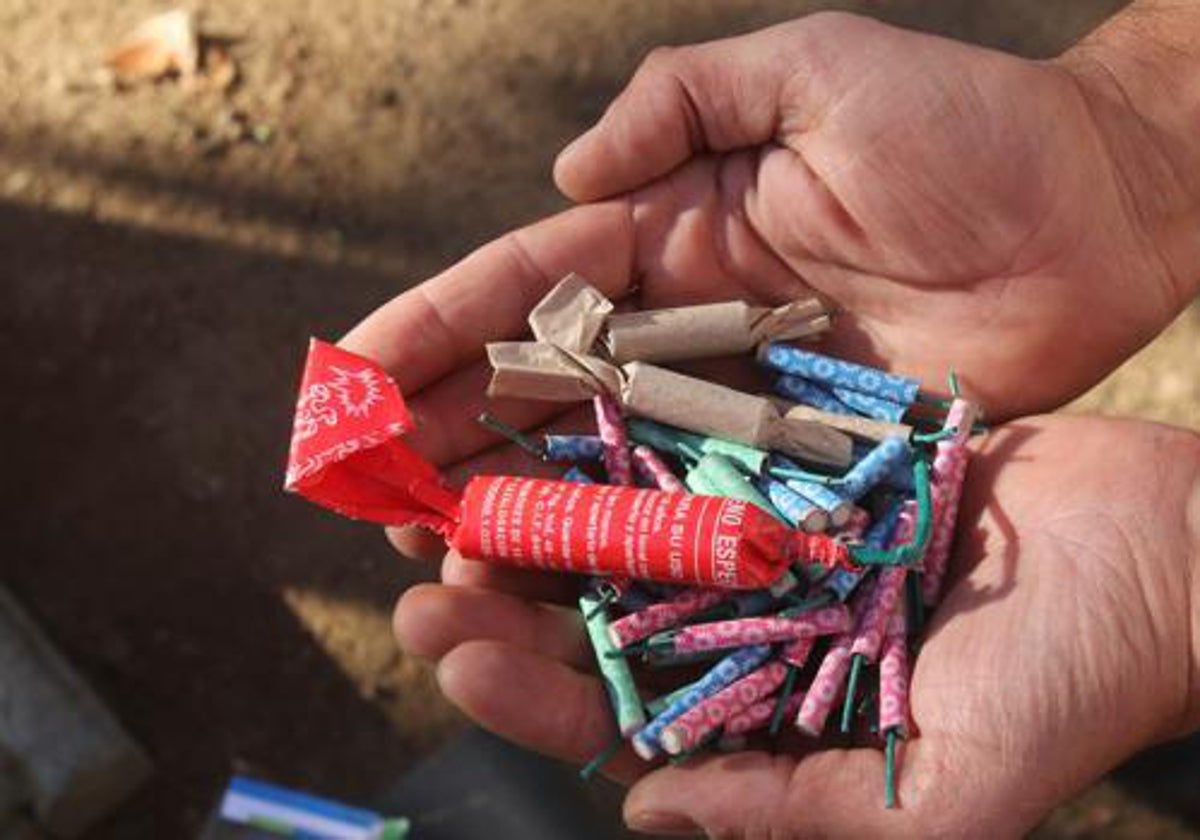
x=437, y=327
x=729, y=94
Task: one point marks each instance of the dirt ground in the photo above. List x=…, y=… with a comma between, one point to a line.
x=167, y=252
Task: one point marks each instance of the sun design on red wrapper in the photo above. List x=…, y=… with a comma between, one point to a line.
x=358, y=391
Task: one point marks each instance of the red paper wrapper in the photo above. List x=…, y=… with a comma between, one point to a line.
x=346, y=455
x=599, y=529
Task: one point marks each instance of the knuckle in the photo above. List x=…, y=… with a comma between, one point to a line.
x=831, y=20
x=659, y=61
x=415, y=543
x=825, y=33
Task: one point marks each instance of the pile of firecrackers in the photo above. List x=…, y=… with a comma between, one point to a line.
x=779, y=552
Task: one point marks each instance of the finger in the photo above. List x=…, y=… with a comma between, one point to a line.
x=696, y=242
x=418, y=544
x=731, y=790
x=835, y=793
x=448, y=430
x=537, y=702
x=509, y=459
x=717, y=96
x=446, y=415
x=438, y=326
x=550, y=587
x=431, y=620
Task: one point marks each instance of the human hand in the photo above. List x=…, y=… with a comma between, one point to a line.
x=701, y=233
x=966, y=209
x=1066, y=641
x=1017, y=220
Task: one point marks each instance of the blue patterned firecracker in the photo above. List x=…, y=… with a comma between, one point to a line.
x=800, y=390
x=728, y=670
x=573, y=449
x=901, y=476
x=869, y=405
x=839, y=373
x=799, y=511
x=824, y=496
x=838, y=400
x=874, y=469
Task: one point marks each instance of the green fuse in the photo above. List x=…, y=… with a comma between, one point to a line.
x=694, y=447
x=719, y=477
x=618, y=680
x=911, y=552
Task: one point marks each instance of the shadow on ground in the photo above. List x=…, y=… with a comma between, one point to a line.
x=144, y=520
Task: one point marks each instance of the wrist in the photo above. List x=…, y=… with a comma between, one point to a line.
x=1140, y=77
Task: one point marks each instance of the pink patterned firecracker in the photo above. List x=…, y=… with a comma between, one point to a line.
x=868, y=635
x=906, y=524
x=949, y=471
x=617, y=461
x=898, y=624
x=718, y=635
x=796, y=654
x=893, y=685
x=663, y=616
x=693, y=726
x=759, y=715
x=653, y=471
x=874, y=621
x=826, y=687
x=856, y=525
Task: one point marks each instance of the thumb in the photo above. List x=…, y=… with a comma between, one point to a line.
x=830, y=793
x=712, y=97
x=723, y=796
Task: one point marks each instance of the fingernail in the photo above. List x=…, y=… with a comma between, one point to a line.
x=661, y=822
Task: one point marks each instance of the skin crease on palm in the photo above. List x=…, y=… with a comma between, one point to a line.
x=961, y=208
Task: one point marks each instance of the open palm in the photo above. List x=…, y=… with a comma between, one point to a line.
x=964, y=207
x=1062, y=646
x=960, y=206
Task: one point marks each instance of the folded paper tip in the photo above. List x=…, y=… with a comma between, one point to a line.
x=346, y=453
x=571, y=315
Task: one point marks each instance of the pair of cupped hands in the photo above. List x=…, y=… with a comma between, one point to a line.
x=963, y=209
